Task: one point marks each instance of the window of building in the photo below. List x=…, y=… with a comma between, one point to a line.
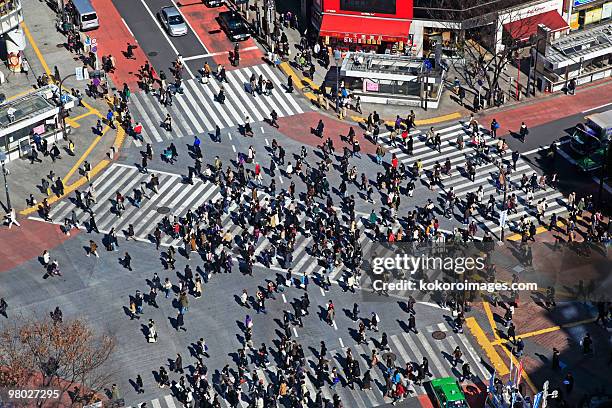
x=369, y=6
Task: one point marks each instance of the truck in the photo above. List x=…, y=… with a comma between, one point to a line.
x=589, y=140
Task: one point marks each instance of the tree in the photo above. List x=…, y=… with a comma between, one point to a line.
x=66, y=356
x=485, y=53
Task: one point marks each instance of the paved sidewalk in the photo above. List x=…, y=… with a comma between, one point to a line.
x=44, y=51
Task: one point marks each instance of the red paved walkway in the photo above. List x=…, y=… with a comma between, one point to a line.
x=113, y=37
x=203, y=20
x=22, y=244
x=300, y=128
x=554, y=108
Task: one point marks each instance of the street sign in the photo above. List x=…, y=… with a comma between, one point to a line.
x=427, y=65
x=94, y=49
x=64, y=98
x=87, y=40
x=78, y=71
x=503, y=217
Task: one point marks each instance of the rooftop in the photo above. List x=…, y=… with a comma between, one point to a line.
x=382, y=64
x=27, y=106
x=587, y=44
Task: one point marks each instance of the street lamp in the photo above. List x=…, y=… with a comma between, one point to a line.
x=337, y=58
x=534, y=50
x=4, y=171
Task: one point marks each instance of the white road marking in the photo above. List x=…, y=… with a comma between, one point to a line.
x=267, y=143
x=189, y=24
x=229, y=135
x=213, y=54
x=281, y=179
x=341, y=342
x=597, y=107
x=234, y=148
x=295, y=333
x=284, y=298
x=165, y=34
x=334, y=324
x=128, y=27
x=262, y=130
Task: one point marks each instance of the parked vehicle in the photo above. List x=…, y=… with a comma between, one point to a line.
x=213, y=3
x=85, y=16
x=234, y=26
x=173, y=21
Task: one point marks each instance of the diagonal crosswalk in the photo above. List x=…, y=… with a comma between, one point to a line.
x=407, y=348
x=196, y=110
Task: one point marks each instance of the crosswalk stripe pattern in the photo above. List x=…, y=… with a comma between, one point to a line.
x=196, y=110
x=486, y=174
x=407, y=348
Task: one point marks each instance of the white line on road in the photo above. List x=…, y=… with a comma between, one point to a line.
x=267, y=143
x=234, y=148
x=164, y=34
x=295, y=332
x=322, y=291
x=189, y=24
x=281, y=179
x=128, y=27
x=341, y=342
x=262, y=130
x=229, y=135
x=334, y=324
x=597, y=107
x=213, y=54
x=537, y=149
x=284, y=298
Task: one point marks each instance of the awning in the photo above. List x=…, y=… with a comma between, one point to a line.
x=522, y=30
x=364, y=30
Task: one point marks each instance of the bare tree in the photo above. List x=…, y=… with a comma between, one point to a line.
x=65, y=356
x=484, y=54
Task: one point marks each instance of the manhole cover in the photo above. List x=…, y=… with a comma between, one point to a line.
x=163, y=210
x=59, y=45
x=152, y=54
x=438, y=335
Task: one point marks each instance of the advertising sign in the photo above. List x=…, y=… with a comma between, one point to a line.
x=581, y=2
x=371, y=86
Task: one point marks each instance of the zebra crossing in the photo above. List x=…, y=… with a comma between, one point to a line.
x=486, y=174
x=406, y=347
x=196, y=110
x=173, y=194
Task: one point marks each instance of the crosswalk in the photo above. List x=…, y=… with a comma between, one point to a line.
x=486, y=174
x=196, y=110
x=173, y=198
x=406, y=348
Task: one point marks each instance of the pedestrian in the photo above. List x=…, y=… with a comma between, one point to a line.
x=178, y=364
x=523, y=132
x=494, y=127
x=11, y=218
x=93, y=249
x=3, y=307
x=139, y=385
x=127, y=261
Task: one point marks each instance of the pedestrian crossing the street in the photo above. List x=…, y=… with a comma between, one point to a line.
x=403, y=348
x=196, y=110
x=174, y=197
x=486, y=173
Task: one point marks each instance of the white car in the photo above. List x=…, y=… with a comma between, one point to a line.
x=172, y=21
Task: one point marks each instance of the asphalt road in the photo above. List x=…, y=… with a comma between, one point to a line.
x=160, y=48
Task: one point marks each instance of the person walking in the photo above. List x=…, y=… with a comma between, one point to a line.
x=3, y=307
x=523, y=132
x=139, y=385
x=127, y=261
x=11, y=218
x=93, y=249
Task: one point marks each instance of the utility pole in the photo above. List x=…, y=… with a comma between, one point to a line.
x=503, y=215
x=3, y=158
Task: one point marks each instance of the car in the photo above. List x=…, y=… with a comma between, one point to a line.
x=213, y=3
x=448, y=393
x=172, y=21
x=234, y=26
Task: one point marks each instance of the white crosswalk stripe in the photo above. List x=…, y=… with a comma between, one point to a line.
x=172, y=193
x=196, y=111
x=486, y=174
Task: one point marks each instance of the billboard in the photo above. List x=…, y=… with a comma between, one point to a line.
x=382, y=8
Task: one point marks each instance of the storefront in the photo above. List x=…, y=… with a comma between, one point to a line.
x=378, y=26
x=520, y=24
x=584, y=13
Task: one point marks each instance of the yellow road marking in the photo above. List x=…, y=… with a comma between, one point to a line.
x=72, y=123
x=84, y=155
x=91, y=112
x=489, y=313
x=546, y=330
x=524, y=372
x=539, y=230
x=35, y=48
x=69, y=189
x=485, y=344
